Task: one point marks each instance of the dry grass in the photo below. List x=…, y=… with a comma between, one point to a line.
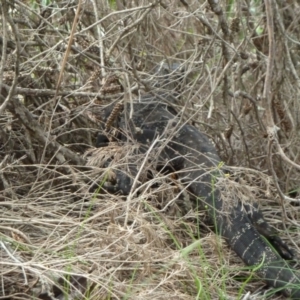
x=56, y=235
x=120, y=248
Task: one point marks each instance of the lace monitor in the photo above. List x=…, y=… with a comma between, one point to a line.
x=192, y=154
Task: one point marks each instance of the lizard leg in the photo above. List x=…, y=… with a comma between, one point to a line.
x=257, y=219
x=121, y=181
x=117, y=182
x=102, y=140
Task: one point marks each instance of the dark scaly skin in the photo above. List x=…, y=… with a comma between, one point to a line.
x=264, y=229
x=193, y=154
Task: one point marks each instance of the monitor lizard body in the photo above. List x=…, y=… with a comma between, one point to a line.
x=191, y=153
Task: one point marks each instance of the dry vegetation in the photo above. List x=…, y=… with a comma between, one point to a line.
x=58, y=240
